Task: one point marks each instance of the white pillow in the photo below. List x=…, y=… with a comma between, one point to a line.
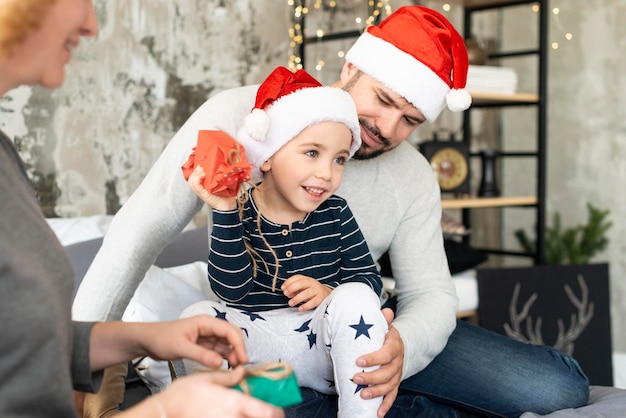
x=162, y=296
x=466, y=289
x=165, y=293
x=72, y=230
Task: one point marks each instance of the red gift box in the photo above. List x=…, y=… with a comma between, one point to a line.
x=223, y=160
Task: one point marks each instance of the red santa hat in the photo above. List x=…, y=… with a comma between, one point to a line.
x=286, y=104
x=417, y=53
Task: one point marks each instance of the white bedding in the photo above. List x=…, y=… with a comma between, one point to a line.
x=73, y=230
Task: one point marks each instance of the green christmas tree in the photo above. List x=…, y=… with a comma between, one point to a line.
x=576, y=245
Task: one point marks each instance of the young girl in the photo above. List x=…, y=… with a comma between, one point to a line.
x=293, y=270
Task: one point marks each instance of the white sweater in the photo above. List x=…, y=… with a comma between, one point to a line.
x=395, y=199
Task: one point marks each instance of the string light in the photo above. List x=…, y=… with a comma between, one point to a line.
x=447, y=7
x=557, y=24
x=377, y=10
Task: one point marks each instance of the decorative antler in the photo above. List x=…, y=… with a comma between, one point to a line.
x=578, y=322
x=565, y=339
x=515, y=329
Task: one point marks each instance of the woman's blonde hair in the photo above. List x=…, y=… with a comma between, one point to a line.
x=18, y=18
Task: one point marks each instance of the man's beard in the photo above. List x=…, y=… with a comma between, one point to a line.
x=365, y=152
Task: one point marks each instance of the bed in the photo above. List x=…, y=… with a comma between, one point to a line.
x=178, y=278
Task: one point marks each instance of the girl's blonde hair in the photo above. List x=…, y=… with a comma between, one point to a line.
x=242, y=198
x=18, y=18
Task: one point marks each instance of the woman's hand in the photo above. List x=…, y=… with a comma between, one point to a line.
x=216, y=202
x=204, y=395
x=201, y=338
x=304, y=291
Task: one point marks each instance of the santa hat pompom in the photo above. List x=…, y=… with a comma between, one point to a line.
x=257, y=123
x=458, y=100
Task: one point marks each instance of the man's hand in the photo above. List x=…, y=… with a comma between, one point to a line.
x=304, y=290
x=384, y=381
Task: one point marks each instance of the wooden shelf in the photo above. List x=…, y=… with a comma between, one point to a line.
x=479, y=98
x=487, y=202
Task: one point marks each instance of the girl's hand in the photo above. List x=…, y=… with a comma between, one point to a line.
x=216, y=202
x=304, y=291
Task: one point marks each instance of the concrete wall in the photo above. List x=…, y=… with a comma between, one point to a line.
x=89, y=144
x=587, y=130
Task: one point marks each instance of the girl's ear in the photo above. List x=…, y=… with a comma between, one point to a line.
x=265, y=167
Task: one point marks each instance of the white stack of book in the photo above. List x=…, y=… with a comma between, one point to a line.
x=490, y=79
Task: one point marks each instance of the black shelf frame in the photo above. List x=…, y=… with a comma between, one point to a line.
x=541, y=105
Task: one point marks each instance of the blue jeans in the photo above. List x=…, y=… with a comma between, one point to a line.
x=479, y=373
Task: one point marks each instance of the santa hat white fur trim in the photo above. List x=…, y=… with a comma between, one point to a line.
x=400, y=72
x=291, y=114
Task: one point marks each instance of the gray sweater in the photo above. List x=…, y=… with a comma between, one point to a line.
x=42, y=353
x=395, y=199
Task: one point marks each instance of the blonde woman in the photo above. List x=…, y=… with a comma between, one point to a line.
x=44, y=355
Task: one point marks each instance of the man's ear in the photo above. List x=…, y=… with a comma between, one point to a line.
x=348, y=71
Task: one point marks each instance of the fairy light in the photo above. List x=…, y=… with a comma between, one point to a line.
x=377, y=9
x=557, y=24
x=447, y=7
x=296, y=34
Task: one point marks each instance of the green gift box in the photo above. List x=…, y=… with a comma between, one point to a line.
x=273, y=383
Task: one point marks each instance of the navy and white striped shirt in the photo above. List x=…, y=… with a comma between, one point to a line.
x=327, y=245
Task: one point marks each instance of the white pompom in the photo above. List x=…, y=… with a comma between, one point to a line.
x=257, y=123
x=458, y=100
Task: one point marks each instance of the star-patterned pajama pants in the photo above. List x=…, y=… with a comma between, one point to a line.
x=321, y=345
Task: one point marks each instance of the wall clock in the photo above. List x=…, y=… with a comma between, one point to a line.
x=450, y=162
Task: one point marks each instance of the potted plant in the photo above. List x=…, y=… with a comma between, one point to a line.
x=575, y=245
